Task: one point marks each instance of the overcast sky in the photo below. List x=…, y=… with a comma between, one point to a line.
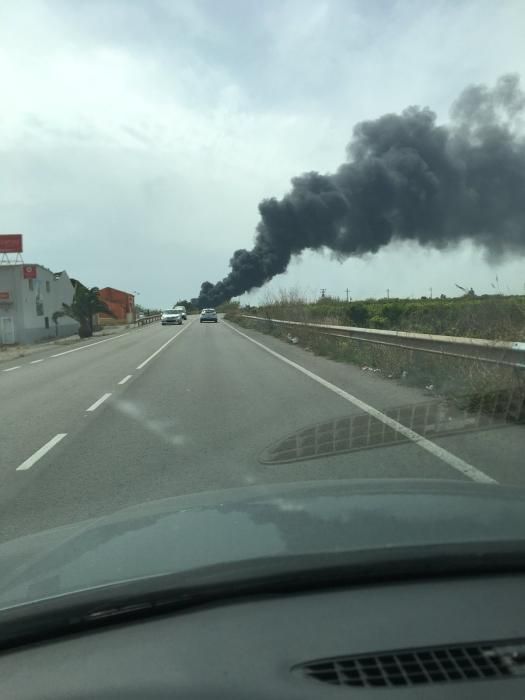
x=137, y=137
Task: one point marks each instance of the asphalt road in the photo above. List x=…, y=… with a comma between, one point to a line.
x=163, y=411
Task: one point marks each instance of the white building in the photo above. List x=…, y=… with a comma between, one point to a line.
x=29, y=296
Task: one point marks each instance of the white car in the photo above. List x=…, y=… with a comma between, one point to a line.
x=181, y=310
x=208, y=315
x=171, y=316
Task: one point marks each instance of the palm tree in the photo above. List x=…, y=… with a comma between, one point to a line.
x=86, y=303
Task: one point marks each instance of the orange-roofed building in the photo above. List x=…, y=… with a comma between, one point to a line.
x=122, y=304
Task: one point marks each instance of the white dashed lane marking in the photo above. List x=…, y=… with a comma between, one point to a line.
x=30, y=461
x=97, y=403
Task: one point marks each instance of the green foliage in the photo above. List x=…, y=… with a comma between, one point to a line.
x=489, y=316
x=86, y=303
x=378, y=322
x=190, y=308
x=392, y=313
x=359, y=314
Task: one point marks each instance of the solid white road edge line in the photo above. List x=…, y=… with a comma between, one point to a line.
x=97, y=403
x=123, y=381
x=11, y=368
x=35, y=362
x=41, y=452
x=444, y=455
x=85, y=347
x=143, y=364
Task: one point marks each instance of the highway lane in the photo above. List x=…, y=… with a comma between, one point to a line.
x=199, y=415
x=16, y=358
x=496, y=451
x=41, y=400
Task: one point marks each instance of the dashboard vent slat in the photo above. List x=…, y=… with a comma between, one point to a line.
x=427, y=665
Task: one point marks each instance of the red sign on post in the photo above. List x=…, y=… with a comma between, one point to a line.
x=29, y=272
x=10, y=242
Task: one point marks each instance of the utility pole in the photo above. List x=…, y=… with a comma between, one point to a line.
x=431, y=292
x=347, y=292
x=388, y=293
x=323, y=293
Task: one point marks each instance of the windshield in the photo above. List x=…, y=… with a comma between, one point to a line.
x=331, y=198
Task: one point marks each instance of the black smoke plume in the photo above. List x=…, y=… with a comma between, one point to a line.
x=406, y=178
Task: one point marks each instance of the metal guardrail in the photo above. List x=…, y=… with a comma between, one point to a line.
x=147, y=319
x=498, y=352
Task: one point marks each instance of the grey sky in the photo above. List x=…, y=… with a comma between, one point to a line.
x=138, y=137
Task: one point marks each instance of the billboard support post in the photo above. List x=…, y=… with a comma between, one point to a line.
x=11, y=244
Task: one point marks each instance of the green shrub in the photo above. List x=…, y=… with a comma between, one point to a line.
x=378, y=322
x=359, y=314
x=491, y=317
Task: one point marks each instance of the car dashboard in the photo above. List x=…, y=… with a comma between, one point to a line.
x=455, y=638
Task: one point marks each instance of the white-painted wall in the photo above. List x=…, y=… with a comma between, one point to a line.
x=33, y=302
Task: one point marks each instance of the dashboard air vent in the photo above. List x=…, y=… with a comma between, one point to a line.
x=409, y=667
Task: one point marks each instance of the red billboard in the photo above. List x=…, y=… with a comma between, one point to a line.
x=10, y=242
x=29, y=272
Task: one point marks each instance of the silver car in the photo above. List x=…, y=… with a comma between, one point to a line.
x=171, y=316
x=181, y=310
x=208, y=315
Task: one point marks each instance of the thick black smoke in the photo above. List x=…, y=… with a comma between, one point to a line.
x=406, y=179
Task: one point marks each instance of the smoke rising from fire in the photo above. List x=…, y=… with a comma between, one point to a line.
x=405, y=178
